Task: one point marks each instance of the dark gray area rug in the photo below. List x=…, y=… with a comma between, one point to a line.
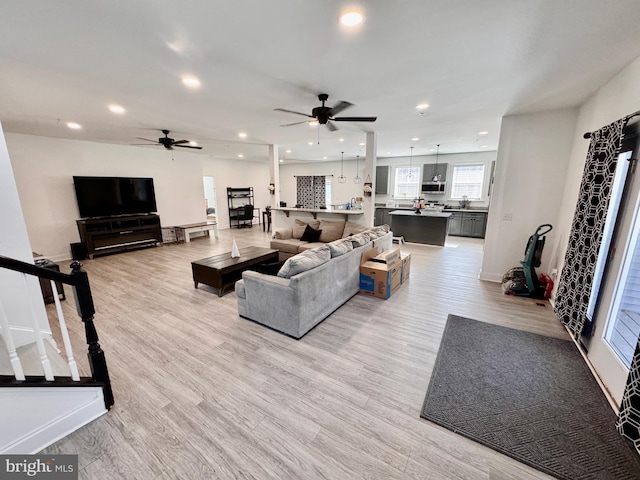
x=530, y=397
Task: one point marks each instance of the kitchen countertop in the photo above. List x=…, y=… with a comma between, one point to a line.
x=471, y=210
x=423, y=213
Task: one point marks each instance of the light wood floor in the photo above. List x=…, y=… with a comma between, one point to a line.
x=202, y=393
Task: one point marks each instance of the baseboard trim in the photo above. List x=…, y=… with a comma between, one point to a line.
x=55, y=427
x=491, y=277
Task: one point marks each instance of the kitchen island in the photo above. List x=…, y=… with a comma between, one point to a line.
x=424, y=227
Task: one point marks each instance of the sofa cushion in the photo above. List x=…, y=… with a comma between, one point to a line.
x=376, y=232
x=310, y=234
x=304, y=261
x=284, y=234
x=299, y=227
x=291, y=245
x=360, y=239
x=351, y=228
x=340, y=247
x=310, y=246
x=331, y=230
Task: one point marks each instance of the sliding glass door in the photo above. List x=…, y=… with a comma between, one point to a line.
x=614, y=306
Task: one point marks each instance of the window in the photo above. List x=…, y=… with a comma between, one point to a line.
x=467, y=182
x=407, y=182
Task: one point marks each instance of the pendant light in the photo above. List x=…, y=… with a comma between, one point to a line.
x=342, y=178
x=357, y=178
x=410, y=175
x=436, y=175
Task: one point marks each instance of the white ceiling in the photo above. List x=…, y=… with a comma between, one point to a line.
x=472, y=61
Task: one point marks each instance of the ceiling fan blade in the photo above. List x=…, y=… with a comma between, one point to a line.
x=291, y=111
x=187, y=146
x=145, y=144
x=340, y=107
x=147, y=139
x=331, y=126
x=355, y=119
x=292, y=124
x=177, y=142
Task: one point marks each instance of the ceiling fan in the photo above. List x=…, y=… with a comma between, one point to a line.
x=168, y=142
x=325, y=115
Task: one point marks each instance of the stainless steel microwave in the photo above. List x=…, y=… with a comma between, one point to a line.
x=433, y=188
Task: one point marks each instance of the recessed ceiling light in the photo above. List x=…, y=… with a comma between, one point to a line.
x=388, y=153
x=422, y=106
x=191, y=81
x=240, y=155
x=483, y=146
x=324, y=158
x=351, y=19
x=341, y=139
x=119, y=109
x=74, y=125
x=281, y=160
x=193, y=144
x=415, y=139
x=242, y=135
x=432, y=149
x=288, y=151
x=483, y=133
x=362, y=144
x=309, y=143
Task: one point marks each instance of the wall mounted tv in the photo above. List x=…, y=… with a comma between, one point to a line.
x=107, y=196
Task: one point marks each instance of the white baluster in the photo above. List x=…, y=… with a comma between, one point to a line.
x=73, y=367
x=11, y=347
x=44, y=359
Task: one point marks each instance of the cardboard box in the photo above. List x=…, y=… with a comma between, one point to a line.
x=380, y=274
x=406, y=266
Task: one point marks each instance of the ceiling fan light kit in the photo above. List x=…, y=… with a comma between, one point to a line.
x=325, y=115
x=168, y=142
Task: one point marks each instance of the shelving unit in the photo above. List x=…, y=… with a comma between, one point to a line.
x=110, y=234
x=237, y=198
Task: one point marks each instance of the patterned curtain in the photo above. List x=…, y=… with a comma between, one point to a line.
x=310, y=191
x=574, y=286
x=629, y=419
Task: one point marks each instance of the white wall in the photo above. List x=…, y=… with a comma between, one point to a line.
x=450, y=159
x=533, y=156
x=44, y=168
x=17, y=298
x=616, y=99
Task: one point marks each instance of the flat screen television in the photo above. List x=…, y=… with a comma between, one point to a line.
x=108, y=196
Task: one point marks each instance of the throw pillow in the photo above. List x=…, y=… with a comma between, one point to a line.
x=305, y=261
x=299, y=227
x=351, y=228
x=268, y=268
x=340, y=247
x=310, y=234
x=331, y=231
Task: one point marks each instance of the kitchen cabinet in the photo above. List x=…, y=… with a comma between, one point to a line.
x=382, y=179
x=455, y=223
x=429, y=170
x=468, y=224
x=382, y=216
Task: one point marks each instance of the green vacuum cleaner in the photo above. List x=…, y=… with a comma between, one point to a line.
x=523, y=281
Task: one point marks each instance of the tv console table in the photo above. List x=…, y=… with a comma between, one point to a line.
x=120, y=233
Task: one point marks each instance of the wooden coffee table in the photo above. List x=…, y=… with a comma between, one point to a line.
x=222, y=271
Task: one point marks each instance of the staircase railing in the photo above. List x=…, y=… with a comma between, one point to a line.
x=79, y=282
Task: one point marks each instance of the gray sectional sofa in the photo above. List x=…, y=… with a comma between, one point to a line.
x=288, y=240
x=312, y=292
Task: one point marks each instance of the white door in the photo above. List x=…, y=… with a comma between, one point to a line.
x=616, y=308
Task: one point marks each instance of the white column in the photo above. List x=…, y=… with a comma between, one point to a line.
x=370, y=172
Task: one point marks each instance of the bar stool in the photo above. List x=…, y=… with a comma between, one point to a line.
x=266, y=219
